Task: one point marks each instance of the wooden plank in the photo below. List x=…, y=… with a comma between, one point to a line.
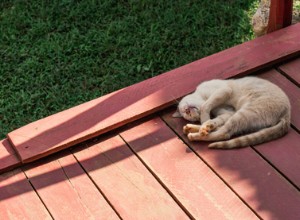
x=66, y=190
x=284, y=154
x=90, y=119
x=292, y=91
x=88, y=193
x=250, y=176
x=191, y=181
x=292, y=70
x=280, y=14
x=127, y=184
x=8, y=157
x=18, y=200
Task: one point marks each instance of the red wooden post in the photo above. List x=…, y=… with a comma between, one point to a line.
x=280, y=14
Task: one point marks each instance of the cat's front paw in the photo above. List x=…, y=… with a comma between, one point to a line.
x=190, y=128
x=186, y=129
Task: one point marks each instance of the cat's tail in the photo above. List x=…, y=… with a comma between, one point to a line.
x=261, y=136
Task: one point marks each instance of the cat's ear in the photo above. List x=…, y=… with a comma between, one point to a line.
x=177, y=114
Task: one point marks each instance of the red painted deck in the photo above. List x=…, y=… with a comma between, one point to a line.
x=144, y=167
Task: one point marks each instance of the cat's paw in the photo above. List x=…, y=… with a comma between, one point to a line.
x=206, y=128
x=203, y=132
x=190, y=128
x=191, y=136
x=186, y=129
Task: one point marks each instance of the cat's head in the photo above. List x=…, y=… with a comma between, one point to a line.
x=189, y=109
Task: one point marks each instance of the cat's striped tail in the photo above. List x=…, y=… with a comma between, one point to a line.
x=261, y=136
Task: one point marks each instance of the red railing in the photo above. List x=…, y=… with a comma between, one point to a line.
x=280, y=14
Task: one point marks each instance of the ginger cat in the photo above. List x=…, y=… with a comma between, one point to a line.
x=252, y=107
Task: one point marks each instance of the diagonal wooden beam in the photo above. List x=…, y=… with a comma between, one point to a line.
x=72, y=126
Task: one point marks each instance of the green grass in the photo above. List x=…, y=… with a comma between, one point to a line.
x=57, y=54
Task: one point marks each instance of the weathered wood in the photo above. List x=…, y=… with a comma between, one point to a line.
x=88, y=193
x=250, y=176
x=18, y=200
x=90, y=119
x=292, y=70
x=292, y=91
x=191, y=181
x=284, y=154
x=127, y=184
x=8, y=157
x=281, y=12
x=66, y=190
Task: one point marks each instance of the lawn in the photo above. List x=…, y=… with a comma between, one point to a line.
x=57, y=54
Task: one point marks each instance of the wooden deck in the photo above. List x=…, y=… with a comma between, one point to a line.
x=142, y=166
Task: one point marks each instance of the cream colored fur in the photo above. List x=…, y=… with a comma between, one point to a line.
x=253, y=107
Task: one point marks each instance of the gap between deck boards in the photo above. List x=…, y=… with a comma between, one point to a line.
x=82, y=122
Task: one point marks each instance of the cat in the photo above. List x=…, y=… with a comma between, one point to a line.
x=252, y=107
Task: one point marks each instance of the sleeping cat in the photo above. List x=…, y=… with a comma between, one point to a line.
x=252, y=107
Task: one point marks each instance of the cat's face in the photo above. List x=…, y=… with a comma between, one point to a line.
x=189, y=109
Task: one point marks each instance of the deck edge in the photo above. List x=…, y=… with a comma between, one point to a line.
x=152, y=95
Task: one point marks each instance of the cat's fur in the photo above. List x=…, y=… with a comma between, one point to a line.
x=261, y=112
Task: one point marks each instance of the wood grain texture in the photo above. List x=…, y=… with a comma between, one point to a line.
x=292, y=91
x=250, y=176
x=90, y=119
x=192, y=182
x=280, y=14
x=8, y=157
x=127, y=184
x=292, y=69
x=18, y=200
x=284, y=154
x=66, y=190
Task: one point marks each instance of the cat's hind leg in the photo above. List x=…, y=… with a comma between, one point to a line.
x=243, y=121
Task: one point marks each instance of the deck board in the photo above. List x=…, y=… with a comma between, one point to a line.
x=147, y=170
x=86, y=190
x=284, y=154
x=127, y=184
x=249, y=175
x=193, y=183
x=8, y=157
x=18, y=199
x=292, y=69
x=66, y=190
x=90, y=119
x=292, y=91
